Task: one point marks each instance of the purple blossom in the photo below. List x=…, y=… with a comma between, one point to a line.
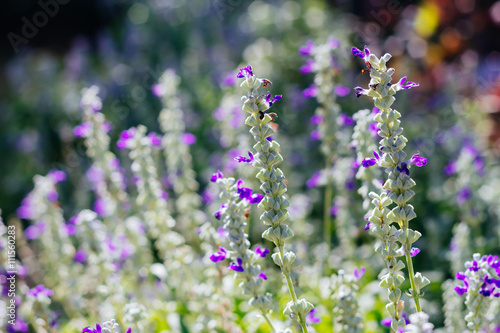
x=307, y=49
x=219, y=256
x=375, y=110
x=368, y=162
x=57, y=176
x=261, y=252
x=414, y=251
x=52, y=196
x=19, y=326
x=107, y=126
x=218, y=213
x=238, y=266
x=25, y=211
x=34, y=231
x=215, y=176
x=311, y=318
x=159, y=90
x=316, y=119
x=125, y=138
x=312, y=91
x=82, y=130
x=342, y=91
x=450, y=169
x=334, y=210
x=154, y=139
x=100, y=207
x=308, y=67
x=222, y=233
x=475, y=267
x=244, y=72
x=464, y=195
x=262, y=275
x=315, y=135
x=358, y=273
x=367, y=226
x=373, y=129
x=362, y=54
x=314, y=180
x=95, y=175
x=255, y=198
x=461, y=290
x=243, y=159
x=345, y=120
x=40, y=290
x=404, y=84
x=403, y=168
x=229, y=80
x=80, y=256
x=360, y=91
x=418, y=161
x=188, y=139
x=274, y=99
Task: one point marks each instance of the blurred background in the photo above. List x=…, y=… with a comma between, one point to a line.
x=52, y=49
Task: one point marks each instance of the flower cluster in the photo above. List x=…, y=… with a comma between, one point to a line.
x=398, y=185
x=480, y=281
x=234, y=213
x=107, y=327
x=274, y=204
x=346, y=311
x=419, y=323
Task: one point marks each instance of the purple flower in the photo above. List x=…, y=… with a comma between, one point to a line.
x=101, y=208
x=154, y=139
x=274, y=99
x=311, y=318
x=219, y=256
x=341, y=91
x=464, y=195
x=261, y=252
x=40, y=290
x=368, y=162
x=475, y=267
x=107, y=126
x=255, y=198
x=218, y=213
x=362, y=54
x=125, y=138
x=238, y=266
x=19, y=326
x=334, y=210
x=373, y=129
x=386, y=322
x=450, y=169
x=25, y=211
x=53, y=196
x=215, y=176
x=262, y=275
x=345, y=120
x=244, y=192
x=34, y=231
x=418, y=161
x=57, y=176
x=314, y=180
x=367, y=226
x=308, y=67
x=244, y=72
x=307, y=49
x=80, y=256
x=358, y=273
x=243, y=159
x=229, y=80
x=222, y=233
x=461, y=290
x=360, y=91
x=404, y=84
x=414, y=251
x=82, y=130
x=312, y=91
x=159, y=90
x=315, y=135
x=317, y=119
x=403, y=168
x=188, y=139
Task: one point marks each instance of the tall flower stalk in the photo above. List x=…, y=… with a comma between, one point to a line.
x=274, y=204
x=397, y=186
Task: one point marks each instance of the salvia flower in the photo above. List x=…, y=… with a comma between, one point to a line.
x=237, y=266
x=481, y=282
x=414, y=251
x=418, y=161
x=188, y=139
x=307, y=49
x=261, y=252
x=40, y=290
x=311, y=317
x=308, y=67
x=244, y=72
x=216, y=176
x=311, y=91
x=219, y=256
x=358, y=273
x=362, y=54
x=243, y=159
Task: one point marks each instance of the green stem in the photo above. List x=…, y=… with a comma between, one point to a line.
x=411, y=273
x=269, y=322
x=326, y=213
x=292, y=290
